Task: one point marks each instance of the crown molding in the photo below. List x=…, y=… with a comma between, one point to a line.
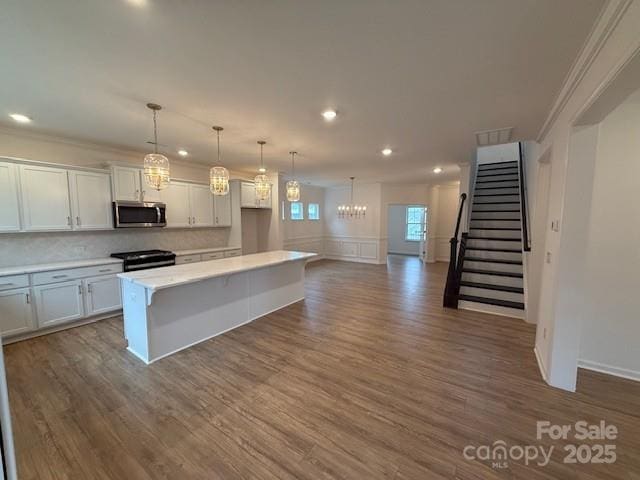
x=606, y=23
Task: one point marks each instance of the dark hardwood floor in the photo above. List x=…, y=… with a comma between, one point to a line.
x=368, y=378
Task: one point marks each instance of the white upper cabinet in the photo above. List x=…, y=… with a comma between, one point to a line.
x=201, y=206
x=9, y=210
x=45, y=198
x=176, y=196
x=90, y=200
x=222, y=210
x=248, y=198
x=126, y=184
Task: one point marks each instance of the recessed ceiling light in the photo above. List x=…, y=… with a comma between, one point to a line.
x=437, y=170
x=182, y=152
x=329, y=115
x=387, y=151
x=18, y=117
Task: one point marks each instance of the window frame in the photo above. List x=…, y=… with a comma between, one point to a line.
x=309, y=217
x=407, y=223
x=301, y=211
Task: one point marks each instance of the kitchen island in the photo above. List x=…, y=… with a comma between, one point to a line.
x=171, y=308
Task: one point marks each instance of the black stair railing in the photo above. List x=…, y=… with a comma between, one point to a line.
x=452, y=287
x=526, y=242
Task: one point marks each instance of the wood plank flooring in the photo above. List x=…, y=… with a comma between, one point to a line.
x=368, y=378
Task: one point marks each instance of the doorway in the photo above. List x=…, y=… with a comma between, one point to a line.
x=406, y=228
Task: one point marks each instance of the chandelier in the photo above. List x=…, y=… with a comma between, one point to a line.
x=219, y=176
x=352, y=210
x=293, y=187
x=156, y=165
x=263, y=187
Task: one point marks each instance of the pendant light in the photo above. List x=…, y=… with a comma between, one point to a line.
x=156, y=165
x=293, y=187
x=263, y=187
x=352, y=210
x=219, y=176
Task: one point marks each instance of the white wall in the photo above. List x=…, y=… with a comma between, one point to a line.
x=396, y=232
x=609, y=301
x=608, y=49
x=506, y=152
x=304, y=235
x=444, y=220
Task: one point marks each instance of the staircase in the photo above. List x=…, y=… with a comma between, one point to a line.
x=491, y=264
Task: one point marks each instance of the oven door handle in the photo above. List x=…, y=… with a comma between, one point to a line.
x=158, y=214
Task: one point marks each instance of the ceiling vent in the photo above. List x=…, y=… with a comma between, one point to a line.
x=494, y=137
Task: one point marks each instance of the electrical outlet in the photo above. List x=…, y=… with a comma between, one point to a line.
x=555, y=225
x=548, y=257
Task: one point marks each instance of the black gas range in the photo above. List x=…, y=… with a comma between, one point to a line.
x=146, y=259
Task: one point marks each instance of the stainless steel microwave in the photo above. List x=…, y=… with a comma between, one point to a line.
x=139, y=214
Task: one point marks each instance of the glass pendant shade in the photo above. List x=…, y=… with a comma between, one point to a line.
x=219, y=180
x=219, y=176
x=263, y=187
x=293, y=191
x=156, y=171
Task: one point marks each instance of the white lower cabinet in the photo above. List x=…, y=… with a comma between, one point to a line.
x=182, y=259
x=102, y=294
x=16, y=312
x=59, y=303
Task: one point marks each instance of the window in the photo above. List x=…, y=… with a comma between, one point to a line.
x=313, y=211
x=297, y=211
x=415, y=223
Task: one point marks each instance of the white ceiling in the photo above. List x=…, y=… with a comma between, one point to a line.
x=420, y=76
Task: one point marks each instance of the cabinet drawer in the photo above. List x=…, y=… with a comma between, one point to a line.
x=232, y=253
x=42, y=278
x=187, y=259
x=212, y=256
x=14, y=281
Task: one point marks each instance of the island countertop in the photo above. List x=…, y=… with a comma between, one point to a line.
x=166, y=277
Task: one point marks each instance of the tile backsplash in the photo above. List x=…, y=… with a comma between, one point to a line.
x=31, y=248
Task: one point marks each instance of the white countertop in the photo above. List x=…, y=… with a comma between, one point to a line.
x=165, y=277
x=45, y=267
x=198, y=251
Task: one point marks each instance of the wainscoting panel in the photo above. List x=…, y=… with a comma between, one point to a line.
x=356, y=249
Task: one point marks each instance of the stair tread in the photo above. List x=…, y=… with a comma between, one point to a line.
x=510, y=164
x=496, y=195
x=495, y=219
x=496, y=228
x=501, y=250
x=492, y=301
x=491, y=260
x=490, y=286
x=495, y=211
x=495, y=239
x=496, y=188
x=491, y=272
x=496, y=203
x=501, y=172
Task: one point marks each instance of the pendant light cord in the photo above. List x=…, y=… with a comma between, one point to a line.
x=155, y=133
x=218, y=132
x=261, y=159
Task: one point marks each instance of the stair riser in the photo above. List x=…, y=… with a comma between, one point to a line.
x=498, y=178
x=486, y=293
x=495, y=198
x=491, y=166
x=498, y=171
x=475, y=232
x=480, y=215
x=492, y=279
x=495, y=244
x=480, y=224
x=497, y=184
x=494, y=255
x=493, y=191
x=499, y=206
x=494, y=267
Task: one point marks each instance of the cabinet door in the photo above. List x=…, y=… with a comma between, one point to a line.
x=91, y=200
x=182, y=259
x=201, y=206
x=16, y=314
x=9, y=206
x=126, y=184
x=149, y=194
x=59, y=303
x=176, y=196
x=45, y=198
x=248, y=195
x=102, y=294
x=222, y=210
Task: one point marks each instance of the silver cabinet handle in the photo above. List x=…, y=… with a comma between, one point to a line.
x=194, y=220
x=6, y=284
x=69, y=221
x=28, y=298
x=89, y=288
x=104, y=270
x=59, y=276
x=217, y=220
x=142, y=194
x=78, y=221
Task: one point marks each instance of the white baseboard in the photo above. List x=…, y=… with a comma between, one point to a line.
x=610, y=370
x=492, y=309
x=541, y=366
